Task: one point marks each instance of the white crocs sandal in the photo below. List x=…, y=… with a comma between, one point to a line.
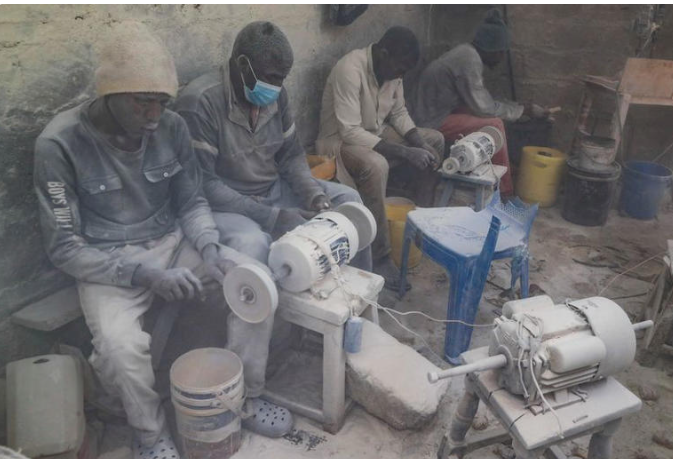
x=267, y=419
x=164, y=448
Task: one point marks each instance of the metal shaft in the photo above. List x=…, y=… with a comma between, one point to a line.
x=282, y=273
x=489, y=363
x=642, y=325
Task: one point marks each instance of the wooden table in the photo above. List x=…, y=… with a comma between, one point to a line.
x=478, y=182
x=324, y=309
x=606, y=403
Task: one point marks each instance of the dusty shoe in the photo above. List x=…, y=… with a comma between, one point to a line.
x=164, y=448
x=267, y=419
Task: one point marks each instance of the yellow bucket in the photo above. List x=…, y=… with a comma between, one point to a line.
x=396, y=212
x=322, y=167
x=540, y=175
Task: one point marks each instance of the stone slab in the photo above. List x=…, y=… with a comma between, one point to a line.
x=50, y=312
x=389, y=379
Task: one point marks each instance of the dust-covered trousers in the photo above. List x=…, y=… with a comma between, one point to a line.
x=121, y=356
x=246, y=236
x=369, y=172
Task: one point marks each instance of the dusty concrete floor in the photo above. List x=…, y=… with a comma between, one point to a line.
x=568, y=261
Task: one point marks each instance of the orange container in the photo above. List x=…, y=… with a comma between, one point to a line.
x=322, y=167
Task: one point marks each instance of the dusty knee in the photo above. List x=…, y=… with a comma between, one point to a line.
x=251, y=239
x=120, y=348
x=376, y=167
x=350, y=195
x=255, y=244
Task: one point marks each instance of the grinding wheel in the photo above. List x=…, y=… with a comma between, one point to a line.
x=292, y=254
x=497, y=136
x=250, y=293
x=362, y=219
x=451, y=165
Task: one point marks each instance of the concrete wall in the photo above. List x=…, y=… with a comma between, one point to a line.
x=46, y=65
x=553, y=45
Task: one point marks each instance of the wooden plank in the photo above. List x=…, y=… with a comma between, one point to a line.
x=488, y=179
x=334, y=380
x=651, y=101
x=650, y=78
x=51, y=312
x=333, y=309
x=607, y=401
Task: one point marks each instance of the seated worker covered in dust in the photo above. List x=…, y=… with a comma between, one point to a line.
x=122, y=211
x=364, y=123
x=256, y=177
x=450, y=94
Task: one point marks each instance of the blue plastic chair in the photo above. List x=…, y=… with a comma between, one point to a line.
x=460, y=240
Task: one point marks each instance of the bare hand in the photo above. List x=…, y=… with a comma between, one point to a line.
x=535, y=111
x=435, y=155
x=419, y=157
x=175, y=284
x=215, y=263
x=320, y=203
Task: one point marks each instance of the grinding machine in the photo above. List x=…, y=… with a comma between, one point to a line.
x=541, y=348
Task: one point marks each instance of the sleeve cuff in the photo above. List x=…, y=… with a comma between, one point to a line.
x=208, y=237
x=404, y=127
x=124, y=274
x=312, y=195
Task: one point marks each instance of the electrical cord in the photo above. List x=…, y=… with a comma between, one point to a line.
x=341, y=284
x=544, y=399
x=444, y=321
x=390, y=313
x=631, y=269
x=532, y=350
x=425, y=343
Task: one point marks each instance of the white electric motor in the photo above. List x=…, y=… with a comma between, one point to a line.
x=536, y=343
x=299, y=259
x=473, y=150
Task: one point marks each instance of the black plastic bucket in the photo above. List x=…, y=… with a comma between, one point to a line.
x=523, y=134
x=589, y=194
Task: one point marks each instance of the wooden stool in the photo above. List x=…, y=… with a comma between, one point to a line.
x=481, y=180
x=325, y=310
x=535, y=432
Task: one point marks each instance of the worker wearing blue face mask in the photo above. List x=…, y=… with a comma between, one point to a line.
x=255, y=173
x=256, y=177
x=262, y=93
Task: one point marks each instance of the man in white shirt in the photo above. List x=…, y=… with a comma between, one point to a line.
x=364, y=123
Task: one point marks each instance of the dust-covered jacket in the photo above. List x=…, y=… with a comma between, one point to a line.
x=453, y=80
x=241, y=164
x=94, y=197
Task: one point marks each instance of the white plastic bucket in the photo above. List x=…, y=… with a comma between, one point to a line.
x=45, y=405
x=208, y=393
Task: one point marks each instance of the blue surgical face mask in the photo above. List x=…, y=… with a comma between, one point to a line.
x=263, y=93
